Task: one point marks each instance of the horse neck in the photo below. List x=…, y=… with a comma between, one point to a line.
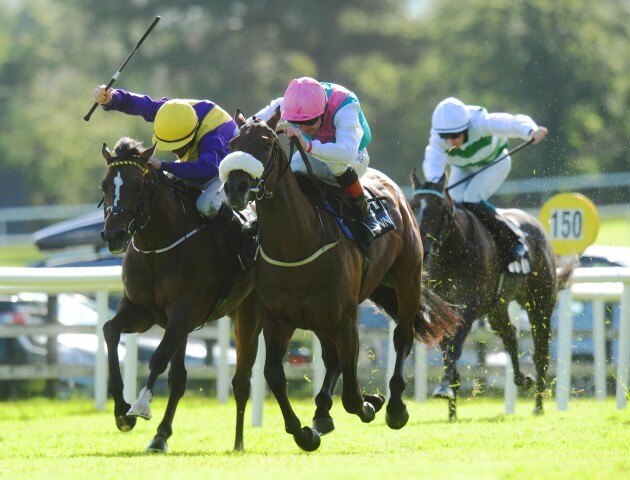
x=288, y=225
x=169, y=216
x=459, y=231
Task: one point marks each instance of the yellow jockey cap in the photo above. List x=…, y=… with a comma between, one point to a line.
x=175, y=125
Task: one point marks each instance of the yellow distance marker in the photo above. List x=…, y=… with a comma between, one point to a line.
x=572, y=222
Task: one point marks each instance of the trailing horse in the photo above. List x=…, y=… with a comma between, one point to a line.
x=465, y=267
x=179, y=272
x=310, y=276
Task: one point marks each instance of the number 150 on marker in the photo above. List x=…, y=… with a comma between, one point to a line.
x=567, y=224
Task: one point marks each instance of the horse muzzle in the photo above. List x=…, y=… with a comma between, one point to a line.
x=116, y=241
x=238, y=193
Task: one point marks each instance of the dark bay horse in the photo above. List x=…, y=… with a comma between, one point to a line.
x=309, y=276
x=463, y=263
x=178, y=273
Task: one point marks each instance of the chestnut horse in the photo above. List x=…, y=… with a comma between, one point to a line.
x=310, y=276
x=177, y=273
x=463, y=263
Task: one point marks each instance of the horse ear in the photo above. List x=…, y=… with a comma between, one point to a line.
x=442, y=181
x=107, y=154
x=275, y=119
x=147, y=153
x=239, y=118
x=415, y=183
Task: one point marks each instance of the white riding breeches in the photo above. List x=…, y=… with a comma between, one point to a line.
x=481, y=186
x=212, y=197
x=328, y=171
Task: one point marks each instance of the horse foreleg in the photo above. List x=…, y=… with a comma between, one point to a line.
x=177, y=385
x=276, y=342
x=322, y=421
x=246, y=331
x=539, y=318
x=451, y=352
x=128, y=318
x=175, y=337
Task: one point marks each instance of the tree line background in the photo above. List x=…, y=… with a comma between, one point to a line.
x=565, y=63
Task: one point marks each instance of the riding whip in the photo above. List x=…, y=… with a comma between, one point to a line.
x=115, y=76
x=468, y=177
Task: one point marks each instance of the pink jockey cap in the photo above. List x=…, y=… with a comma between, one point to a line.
x=304, y=100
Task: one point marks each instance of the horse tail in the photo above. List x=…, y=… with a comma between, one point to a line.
x=436, y=319
x=564, y=271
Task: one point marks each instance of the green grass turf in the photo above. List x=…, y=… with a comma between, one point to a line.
x=69, y=439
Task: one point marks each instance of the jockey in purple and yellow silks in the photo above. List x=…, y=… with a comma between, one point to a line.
x=327, y=120
x=196, y=131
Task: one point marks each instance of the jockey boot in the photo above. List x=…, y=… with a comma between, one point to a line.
x=509, y=237
x=349, y=181
x=246, y=236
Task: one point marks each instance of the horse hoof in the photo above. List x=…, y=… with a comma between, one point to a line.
x=398, y=420
x=138, y=411
x=538, y=411
x=377, y=401
x=368, y=412
x=528, y=382
x=443, y=392
x=323, y=425
x=308, y=439
x=125, y=423
x=157, y=445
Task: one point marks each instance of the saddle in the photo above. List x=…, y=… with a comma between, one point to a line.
x=510, y=239
x=336, y=202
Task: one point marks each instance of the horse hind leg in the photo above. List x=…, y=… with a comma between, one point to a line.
x=500, y=323
x=397, y=415
x=322, y=421
x=177, y=385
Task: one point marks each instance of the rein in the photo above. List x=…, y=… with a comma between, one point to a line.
x=261, y=193
x=261, y=187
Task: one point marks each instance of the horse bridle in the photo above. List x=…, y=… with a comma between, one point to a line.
x=447, y=219
x=135, y=223
x=260, y=190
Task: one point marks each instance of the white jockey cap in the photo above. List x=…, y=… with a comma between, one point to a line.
x=450, y=116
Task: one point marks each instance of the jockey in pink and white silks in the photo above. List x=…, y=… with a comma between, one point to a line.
x=468, y=139
x=327, y=120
